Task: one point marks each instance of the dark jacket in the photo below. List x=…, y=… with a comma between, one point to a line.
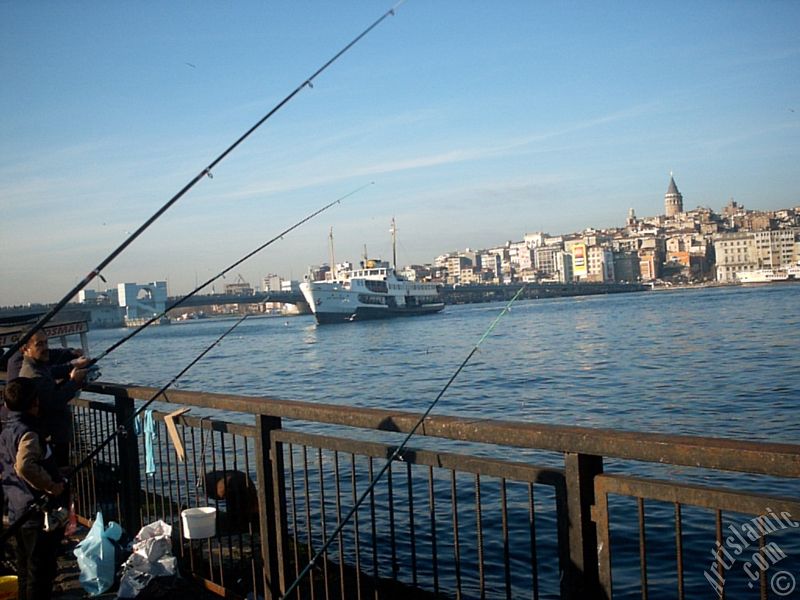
x=55, y=415
x=59, y=363
x=26, y=465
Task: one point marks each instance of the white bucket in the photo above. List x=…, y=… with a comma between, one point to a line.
x=199, y=523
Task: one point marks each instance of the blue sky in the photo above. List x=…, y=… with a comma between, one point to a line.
x=477, y=121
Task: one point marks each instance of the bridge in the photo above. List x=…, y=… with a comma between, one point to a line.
x=209, y=299
x=459, y=294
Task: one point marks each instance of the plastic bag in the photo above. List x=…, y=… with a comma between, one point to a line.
x=95, y=554
x=152, y=557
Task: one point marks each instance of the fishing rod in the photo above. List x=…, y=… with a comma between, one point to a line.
x=39, y=502
x=222, y=273
x=397, y=451
x=203, y=173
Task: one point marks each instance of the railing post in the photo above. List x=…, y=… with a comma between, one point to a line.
x=130, y=496
x=582, y=575
x=269, y=519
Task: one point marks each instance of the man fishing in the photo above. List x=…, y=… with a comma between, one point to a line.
x=53, y=396
x=61, y=361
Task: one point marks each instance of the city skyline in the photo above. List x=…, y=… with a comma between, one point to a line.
x=475, y=123
x=260, y=282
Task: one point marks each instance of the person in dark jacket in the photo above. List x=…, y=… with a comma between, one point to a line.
x=54, y=397
x=61, y=361
x=28, y=469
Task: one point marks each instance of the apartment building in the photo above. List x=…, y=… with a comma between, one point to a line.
x=736, y=252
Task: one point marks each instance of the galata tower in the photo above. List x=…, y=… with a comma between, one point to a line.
x=673, y=201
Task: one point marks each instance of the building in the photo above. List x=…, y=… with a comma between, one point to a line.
x=626, y=266
x=600, y=264
x=775, y=249
x=110, y=296
x=416, y=272
x=492, y=265
x=736, y=252
x=142, y=301
x=673, y=200
x=455, y=263
x=545, y=259
x=520, y=256
x=272, y=283
x=534, y=240
x=752, y=250
x=563, y=272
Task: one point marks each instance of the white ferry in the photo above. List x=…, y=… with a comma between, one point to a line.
x=791, y=273
x=373, y=291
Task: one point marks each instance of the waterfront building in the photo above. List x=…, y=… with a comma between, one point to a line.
x=563, y=267
x=521, y=256
x=775, y=249
x=626, y=266
x=473, y=275
x=600, y=264
x=750, y=251
x=577, y=251
x=673, y=200
x=735, y=252
x=504, y=254
x=110, y=296
x=454, y=264
x=545, y=258
x=142, y=301
x=492, y=264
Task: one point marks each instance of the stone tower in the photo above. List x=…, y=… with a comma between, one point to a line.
x=673, y=201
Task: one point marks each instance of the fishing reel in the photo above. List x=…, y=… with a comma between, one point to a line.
x=92, y=374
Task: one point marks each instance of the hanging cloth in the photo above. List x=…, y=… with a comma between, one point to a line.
x=149, y=431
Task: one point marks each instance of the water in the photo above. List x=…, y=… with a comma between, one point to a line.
x=717, y=362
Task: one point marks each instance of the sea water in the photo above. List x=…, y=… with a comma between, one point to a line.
x=721, y=362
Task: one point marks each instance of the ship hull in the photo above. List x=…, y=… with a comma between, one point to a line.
x=370, y=313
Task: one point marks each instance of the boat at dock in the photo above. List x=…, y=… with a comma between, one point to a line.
x=791, y=273
x=373, y=291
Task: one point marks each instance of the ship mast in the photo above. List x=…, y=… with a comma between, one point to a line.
x=393, y=231
x=333, y=259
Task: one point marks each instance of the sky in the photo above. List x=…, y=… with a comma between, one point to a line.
x=477, y=122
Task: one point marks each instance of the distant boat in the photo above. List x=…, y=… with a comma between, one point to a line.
x=791, y=273
x=373, y=291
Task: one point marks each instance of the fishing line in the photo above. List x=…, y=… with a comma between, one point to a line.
x=183, y=299
x=41, y=501
x=205, y=172
x=397, y=451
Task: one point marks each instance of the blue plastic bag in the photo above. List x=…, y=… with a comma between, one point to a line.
x=95, y=554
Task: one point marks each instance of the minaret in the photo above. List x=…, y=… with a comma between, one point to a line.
x=673, y=201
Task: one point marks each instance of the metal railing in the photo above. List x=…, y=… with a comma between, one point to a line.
x=466, y=523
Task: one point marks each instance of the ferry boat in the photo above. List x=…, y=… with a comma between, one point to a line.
x=791, y=273
x=373, y=291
